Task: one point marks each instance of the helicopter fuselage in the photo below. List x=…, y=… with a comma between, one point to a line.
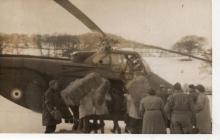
x=24, y=79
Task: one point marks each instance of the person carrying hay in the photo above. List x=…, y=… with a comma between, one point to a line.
x=137, y=89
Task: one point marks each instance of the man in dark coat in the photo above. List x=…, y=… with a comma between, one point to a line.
x=117, y=108
x=51, y=115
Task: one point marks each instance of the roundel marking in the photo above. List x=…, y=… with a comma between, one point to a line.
x=16, y=94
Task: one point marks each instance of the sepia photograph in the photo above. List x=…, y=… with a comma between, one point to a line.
x=106, y=66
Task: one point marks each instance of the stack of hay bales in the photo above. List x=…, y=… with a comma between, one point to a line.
x=138, y=88
x=78, y=89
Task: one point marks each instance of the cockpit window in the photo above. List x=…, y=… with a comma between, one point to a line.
x=118, y=62
x=118, y=59
x=135, y=63
x=147, y=67
x=101, y=58
x=127, y=63
x=105, y=60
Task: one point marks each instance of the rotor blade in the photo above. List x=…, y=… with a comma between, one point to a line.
x=66, y=4
x=176, y=52
x=184, y=54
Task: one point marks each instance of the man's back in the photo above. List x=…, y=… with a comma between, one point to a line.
x=181, y=102
x=179, y=109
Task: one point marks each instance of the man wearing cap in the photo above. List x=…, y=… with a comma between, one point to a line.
x=202, y=108
x=179, y=110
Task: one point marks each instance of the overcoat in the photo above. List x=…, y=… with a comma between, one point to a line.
x=203, y=116
x=51, y=101
x=154, y=120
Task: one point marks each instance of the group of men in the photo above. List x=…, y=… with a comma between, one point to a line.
x=177, y=112
x=189, y=113
x=159, y=111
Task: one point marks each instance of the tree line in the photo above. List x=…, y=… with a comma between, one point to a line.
x=9, y=42
x=66, y=43
x=55, y=43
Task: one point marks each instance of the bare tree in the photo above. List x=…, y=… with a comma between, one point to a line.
x=64, y=44
x=37, y=41
x=207, y=67
x=190, y=43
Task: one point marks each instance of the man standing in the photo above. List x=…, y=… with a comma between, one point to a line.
x=202, y=108
x=137, y=89
x=51, y=115
x=134, y=120
x=179, y=110
x=116, y=108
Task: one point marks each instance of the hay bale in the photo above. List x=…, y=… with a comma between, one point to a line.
x=100, y=92
x=99, y=98
x=138, y=88
x=72, y=94
x=86, y=106
x=77, y=89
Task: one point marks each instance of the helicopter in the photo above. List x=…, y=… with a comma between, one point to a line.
x=25, y=78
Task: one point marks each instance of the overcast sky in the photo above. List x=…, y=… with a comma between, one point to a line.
x=156, y=22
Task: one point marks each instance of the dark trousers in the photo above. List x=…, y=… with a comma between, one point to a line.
x=84, y=125
x=100, y=125
x=116, y=127
x=181, y=123
x=134, y=125
x=50, y=129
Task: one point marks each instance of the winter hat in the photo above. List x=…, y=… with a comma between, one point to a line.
x=177, y=86
x=192, y=86
x=201, y=88
x=151, y=91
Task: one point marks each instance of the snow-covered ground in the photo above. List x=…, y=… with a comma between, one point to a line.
x=174, y=70
x=14, y=118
